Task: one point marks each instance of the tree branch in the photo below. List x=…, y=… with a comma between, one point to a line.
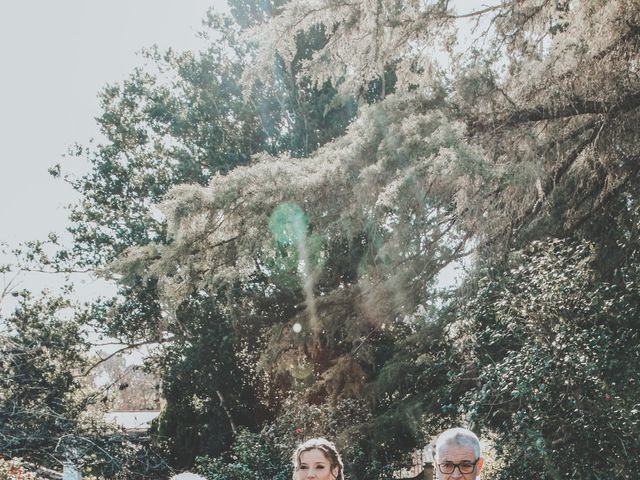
x=477, y=13
x=123, y=349
x=570, y=108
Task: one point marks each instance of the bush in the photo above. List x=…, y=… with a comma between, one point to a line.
x=557, y=359
x=251, y=457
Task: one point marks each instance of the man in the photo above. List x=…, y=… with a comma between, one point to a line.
x=457, y=455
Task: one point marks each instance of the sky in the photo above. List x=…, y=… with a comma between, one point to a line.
x=55, y=57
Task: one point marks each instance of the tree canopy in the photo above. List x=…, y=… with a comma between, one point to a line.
x=281, y=211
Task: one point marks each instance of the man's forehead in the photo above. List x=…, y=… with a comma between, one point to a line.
x=453, y=451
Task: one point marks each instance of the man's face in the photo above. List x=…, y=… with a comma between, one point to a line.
x=453, y=455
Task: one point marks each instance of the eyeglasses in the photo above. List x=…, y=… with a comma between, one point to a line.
x=464, y=467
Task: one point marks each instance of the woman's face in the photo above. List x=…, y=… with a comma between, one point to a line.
x=314, y=465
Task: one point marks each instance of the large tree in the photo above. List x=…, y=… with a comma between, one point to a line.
x=531, y=137
x=548, y=89
x=182, y=119
x=284, y=262
x=330, y=256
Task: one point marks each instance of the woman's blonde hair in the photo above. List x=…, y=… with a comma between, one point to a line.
x=326, y=447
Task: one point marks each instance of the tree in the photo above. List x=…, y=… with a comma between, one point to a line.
x=348, y=268
x=183, y=120
x=40, y=399
x=293, y=262
x=510, y=147
x=552, y=108
x=555, y=376
x=43, y=405
x=126, y=387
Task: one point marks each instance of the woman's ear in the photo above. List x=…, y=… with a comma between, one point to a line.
x=335, y=471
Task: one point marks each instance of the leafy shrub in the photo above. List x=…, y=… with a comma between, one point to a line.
x=558, y=364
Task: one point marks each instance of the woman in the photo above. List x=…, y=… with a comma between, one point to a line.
x=317, y=459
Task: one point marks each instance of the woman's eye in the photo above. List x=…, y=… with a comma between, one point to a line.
x=303, y=467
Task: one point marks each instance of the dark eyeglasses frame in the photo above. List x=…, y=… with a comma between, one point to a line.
x=457, y=465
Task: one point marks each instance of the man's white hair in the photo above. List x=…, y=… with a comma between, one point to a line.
x=458, y=436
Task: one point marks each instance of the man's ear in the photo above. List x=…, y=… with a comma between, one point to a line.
x=479, y=465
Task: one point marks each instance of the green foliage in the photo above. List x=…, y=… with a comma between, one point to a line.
x=267, y=454
x=209, y=383
x=251, y=457
x=41, y=353
x=182, y=120
x=228, y=220
x=104, y=453
x=43, y=406
x=557, y=366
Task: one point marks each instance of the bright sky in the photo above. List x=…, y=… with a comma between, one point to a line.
x=56, y=56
